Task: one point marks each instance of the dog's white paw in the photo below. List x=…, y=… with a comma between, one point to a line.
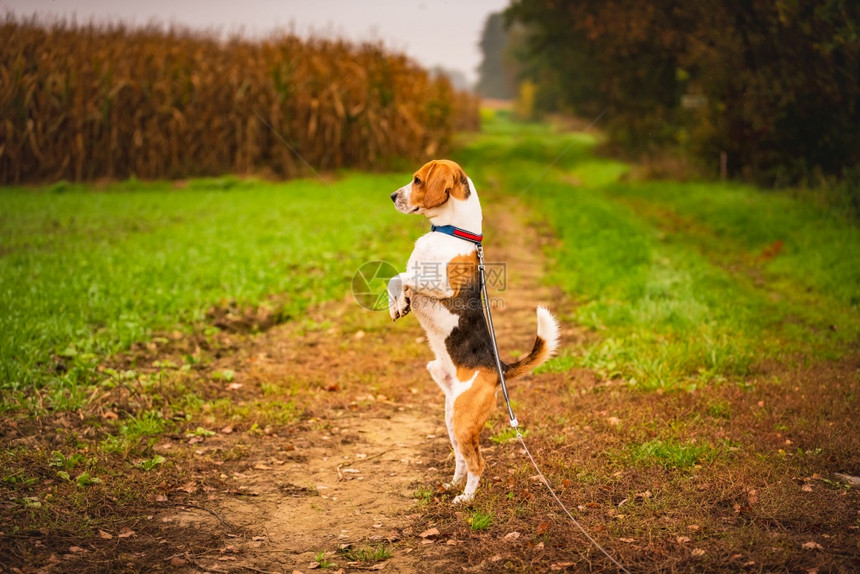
x=398, y=302
x=463, y=498
x=398, y=307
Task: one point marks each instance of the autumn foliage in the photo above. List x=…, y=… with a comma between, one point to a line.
x=85, y=102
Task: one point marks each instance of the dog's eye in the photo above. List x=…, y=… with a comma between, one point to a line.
x=417, y=181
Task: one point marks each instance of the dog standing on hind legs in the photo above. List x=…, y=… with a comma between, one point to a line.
x=441, y=287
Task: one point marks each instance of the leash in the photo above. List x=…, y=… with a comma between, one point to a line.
x=514, y=422
x=489, y=317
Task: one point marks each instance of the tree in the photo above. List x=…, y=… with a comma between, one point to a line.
x=496, y=74
x=778, y=82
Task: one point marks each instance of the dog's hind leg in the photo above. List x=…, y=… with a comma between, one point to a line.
x=459, y=461
x=475, y=465
x=445, y=381
x=472, y=408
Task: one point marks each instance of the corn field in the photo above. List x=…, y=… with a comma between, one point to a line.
x=87, y=102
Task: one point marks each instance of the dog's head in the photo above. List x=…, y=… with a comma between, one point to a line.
x=433, y=187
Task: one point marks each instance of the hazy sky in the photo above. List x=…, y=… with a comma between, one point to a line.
x=434, y=32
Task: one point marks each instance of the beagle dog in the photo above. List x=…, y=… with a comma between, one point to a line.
x=441, y=287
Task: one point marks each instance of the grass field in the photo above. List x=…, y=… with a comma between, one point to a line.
x=694, y=422
x=683, y=282
x=87, y=273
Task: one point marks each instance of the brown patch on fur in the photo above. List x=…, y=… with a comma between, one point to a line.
x=465, y=373
x=462, y=272
x=471, y=410
x=436, y=181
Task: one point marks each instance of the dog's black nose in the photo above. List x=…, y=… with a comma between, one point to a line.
x=394, y=196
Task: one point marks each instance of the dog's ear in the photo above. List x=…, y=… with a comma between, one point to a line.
x=437, y=188
x=461, y=189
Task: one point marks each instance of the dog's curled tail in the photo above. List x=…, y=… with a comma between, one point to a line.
x=545, y=346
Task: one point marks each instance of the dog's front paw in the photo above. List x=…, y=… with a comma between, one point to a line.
x=398, y=302
x=398, y=307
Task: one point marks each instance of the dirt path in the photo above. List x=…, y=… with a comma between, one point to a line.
x=347, y=474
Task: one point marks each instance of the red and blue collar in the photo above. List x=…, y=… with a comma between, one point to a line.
x=459, y=233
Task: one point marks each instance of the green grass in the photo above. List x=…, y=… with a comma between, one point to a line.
x=480, y=520
x=322, y=559
x=85, y=273
x=671, y=454
x=682, y=283
x=367, y=554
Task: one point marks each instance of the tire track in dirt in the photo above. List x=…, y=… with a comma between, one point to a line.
x=373, y=431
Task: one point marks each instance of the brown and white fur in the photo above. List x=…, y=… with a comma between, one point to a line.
x=440, y=286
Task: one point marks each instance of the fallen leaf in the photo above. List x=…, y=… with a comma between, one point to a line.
x=512, y=535
x=430, y=532
x=646, y=494
x=105, y=535
x=176, y=561
x=683, y=539
x=812, y=545
x=160, y=498
x=749, y=563
x=227, y=430
x=560, y=566
x=125, y=532
x=627, y=540
x=693, y=527
x=698, y=552
x=189, y=487
x=620, y=504
x=313, y=565
x=379, y=566
x=76, y=549
x=752, y=496
x=234, y=386
x=495, y=557
x=542, y=528
x=806, y=488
